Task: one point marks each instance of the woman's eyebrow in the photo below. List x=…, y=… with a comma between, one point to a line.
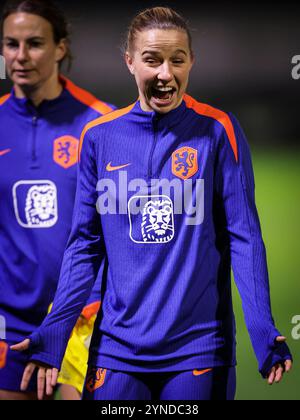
x=33, y=38
x=150, y=52
x=36, y=38
x=179, y=51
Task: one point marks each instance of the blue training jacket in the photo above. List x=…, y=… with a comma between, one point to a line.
x=38, y=163
x=169, y=199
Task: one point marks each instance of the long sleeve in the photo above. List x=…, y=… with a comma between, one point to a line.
x=234, y=189
x=81, y=264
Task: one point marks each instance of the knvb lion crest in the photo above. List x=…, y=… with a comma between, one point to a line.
x=95, y=379
x=185, y=162
x=65, y=152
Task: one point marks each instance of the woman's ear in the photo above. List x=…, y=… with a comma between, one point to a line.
x=192, y=60
x=130, y=62
x=61, y=50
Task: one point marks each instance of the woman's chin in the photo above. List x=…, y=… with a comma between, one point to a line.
x=24, y=82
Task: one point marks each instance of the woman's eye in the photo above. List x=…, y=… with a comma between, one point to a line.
x=35, y=44
x=11, y=45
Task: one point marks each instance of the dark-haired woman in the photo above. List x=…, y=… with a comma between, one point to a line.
x=40, y=125
x=173, y=183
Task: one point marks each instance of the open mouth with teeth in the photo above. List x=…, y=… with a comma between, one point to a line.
x=163, y=94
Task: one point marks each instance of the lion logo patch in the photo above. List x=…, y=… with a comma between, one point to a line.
x=156, y=223
x=185, y=162
x=40, y=206
x=35, y=204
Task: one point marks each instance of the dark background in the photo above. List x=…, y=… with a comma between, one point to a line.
x=243, y=52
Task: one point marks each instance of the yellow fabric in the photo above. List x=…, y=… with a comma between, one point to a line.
x=74, y=366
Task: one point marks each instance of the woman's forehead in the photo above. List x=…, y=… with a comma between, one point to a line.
x=26, y=23
x=158, y=39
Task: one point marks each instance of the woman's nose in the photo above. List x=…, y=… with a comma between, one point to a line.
x=165, y=73
x=22, y=55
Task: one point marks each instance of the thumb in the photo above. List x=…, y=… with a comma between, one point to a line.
x=24, y=345
x=280, y=339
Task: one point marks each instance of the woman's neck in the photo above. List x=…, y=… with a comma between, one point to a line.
x=49, y=90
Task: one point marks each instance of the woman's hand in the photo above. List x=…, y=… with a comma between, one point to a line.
x=277, y=372
x=47, y=375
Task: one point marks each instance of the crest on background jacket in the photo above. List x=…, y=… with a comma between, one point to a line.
x=65, y=151
x=185, y=162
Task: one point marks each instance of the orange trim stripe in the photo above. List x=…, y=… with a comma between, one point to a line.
x=106, y=118
x=4, y=99
x=91, y=310
x=218, y=115
x=86, y=98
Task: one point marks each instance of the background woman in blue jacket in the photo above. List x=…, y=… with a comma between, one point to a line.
x=40, y=125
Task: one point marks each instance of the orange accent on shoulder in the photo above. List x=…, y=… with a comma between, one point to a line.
x=85, y=97
x=105, y=118
x=4, y=99
x=222, y=117
x=91, y=310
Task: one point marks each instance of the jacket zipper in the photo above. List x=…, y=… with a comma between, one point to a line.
x=33, y=144
x=155, y=131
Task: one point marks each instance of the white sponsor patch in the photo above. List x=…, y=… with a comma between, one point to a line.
x=35, y=204
x=154, y=223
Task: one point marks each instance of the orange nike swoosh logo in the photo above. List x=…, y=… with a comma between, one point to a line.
x=111, y=168
x=200, y=372
x=4, y=152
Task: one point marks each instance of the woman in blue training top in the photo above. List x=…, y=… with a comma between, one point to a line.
x=40, y=126
x=166, y=192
